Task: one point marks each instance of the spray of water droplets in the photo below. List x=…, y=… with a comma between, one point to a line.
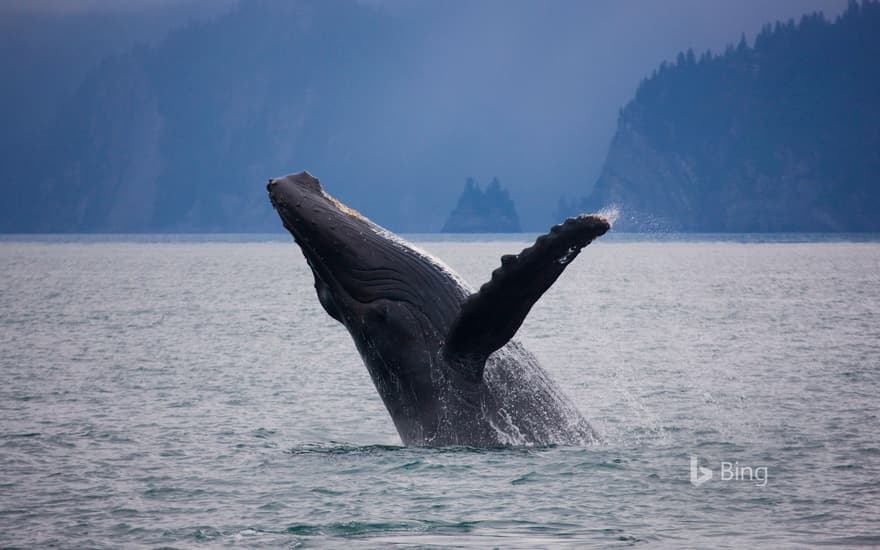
x=611, y=213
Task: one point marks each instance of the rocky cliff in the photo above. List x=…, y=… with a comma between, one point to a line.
x=780, y=136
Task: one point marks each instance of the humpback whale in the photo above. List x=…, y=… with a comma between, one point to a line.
x=441, y=355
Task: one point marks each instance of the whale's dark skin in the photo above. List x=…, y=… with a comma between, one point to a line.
x=440, y=355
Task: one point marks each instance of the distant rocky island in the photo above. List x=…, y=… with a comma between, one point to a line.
x=780, y=136
x=478, y=211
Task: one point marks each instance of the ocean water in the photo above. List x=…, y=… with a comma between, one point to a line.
x=184, y=392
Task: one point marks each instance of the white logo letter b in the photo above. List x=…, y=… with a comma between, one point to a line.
x=699, y=474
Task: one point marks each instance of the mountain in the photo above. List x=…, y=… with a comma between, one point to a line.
x=780, y=136
x=478, y=211
x=180, y=133
x=386, y=102
x=181, y=136
x=45, y=53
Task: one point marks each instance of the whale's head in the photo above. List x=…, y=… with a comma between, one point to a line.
x=397, y=302
x=360, y=269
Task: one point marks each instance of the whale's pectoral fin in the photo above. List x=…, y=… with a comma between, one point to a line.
x=491, y=316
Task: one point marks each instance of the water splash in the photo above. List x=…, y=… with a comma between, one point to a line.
x=611, y=213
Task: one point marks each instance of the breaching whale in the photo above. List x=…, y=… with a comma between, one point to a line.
x=440, y=355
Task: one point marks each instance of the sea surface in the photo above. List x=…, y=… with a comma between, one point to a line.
x=189, y=392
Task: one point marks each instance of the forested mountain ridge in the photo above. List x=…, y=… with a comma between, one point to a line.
x=780, y=136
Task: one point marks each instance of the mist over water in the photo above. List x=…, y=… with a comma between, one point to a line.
x=195, y=394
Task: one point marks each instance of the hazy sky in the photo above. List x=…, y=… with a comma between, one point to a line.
x=527, y=91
